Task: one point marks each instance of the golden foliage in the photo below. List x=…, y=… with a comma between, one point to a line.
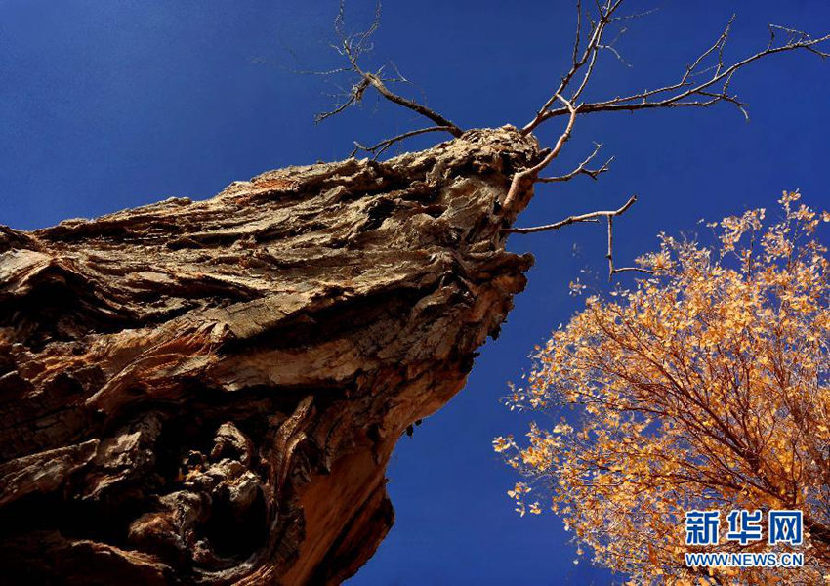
x=704, y=387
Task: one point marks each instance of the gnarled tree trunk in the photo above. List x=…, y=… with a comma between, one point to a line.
x=209, y=392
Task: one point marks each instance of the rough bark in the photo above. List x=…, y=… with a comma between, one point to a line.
x=209, y=392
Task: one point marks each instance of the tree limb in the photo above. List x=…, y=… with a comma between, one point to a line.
x=379, y=148
x=686, y=92
x=351, y=47
x=530, y=175
x=589, y=217
x=581, y=169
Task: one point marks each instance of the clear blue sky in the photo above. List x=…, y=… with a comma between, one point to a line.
x=107, y=105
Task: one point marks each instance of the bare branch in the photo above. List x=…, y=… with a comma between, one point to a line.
x=635, y=16
x=530, y=175
x=687, y=91
x=588, y=56
x=351, y=47
x=589, y=217
x=555, y=226
x=380, y=147
x=581, y=169
x=354, y=97
x=610, y=45
x=609, y=254
x=412, y=105
x=578, y=30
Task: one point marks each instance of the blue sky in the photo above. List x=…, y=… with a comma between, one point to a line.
x=107, y=105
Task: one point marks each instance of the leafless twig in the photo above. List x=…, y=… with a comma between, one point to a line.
x=522, y=179
x=379, y=148
x=705, y=82
x=580, y=61
x=591, y=217
x=351, y=47
x=688, y=91
x=609, y=255
x=581, y=169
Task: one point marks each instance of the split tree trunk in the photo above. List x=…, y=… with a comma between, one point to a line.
x=209, y=392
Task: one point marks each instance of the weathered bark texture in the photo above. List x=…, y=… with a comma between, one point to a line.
x=209, y=392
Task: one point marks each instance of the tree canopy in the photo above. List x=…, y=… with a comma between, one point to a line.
x=704, y=386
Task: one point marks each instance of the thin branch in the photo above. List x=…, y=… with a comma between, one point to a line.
x=686, y=92
x=588, y=56
x=578, y=31
x=589, y=217
x=581, y=169
x=351, y=47
x=526, y=177
x=556, y=226
x=616, y=54
x=379, y=148
x=353, y=97
x=412, y=105
x=702, y=84
x=609, y=255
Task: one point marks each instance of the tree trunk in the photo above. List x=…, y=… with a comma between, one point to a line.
x=209, y=392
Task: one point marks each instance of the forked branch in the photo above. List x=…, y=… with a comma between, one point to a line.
x=581, y=169
x=688, y=91
x=704, y=82
x=379, y=148
x=527, y=177
x=592, y=217
x=351, y=47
